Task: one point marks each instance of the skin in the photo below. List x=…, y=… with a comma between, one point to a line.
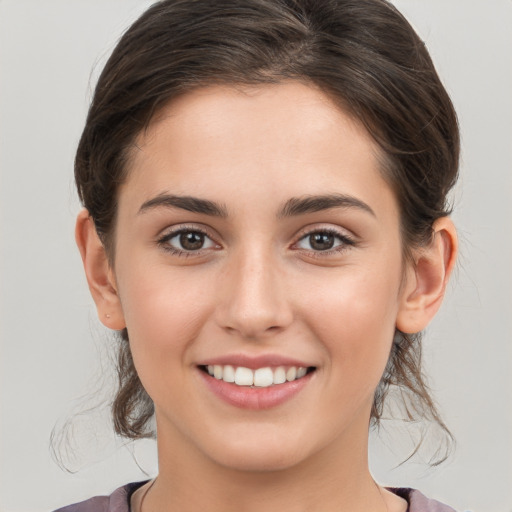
x=259, y=286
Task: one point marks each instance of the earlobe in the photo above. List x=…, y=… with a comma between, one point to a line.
x=98, y=272
x=426, y=282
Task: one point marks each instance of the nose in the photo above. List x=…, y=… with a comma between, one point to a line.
x=254, y=301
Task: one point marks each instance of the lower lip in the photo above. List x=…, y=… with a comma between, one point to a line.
x=246, y=397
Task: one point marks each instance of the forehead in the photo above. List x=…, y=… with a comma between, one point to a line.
x=287, y=139
x=219, y=110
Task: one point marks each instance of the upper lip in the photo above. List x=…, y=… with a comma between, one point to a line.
x=254, y=362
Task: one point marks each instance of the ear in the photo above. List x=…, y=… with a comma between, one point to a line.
x=98, y=272
x=427, y=278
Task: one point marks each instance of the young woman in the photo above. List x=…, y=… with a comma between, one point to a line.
x=266, y=225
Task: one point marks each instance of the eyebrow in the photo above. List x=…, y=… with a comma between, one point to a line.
x=189, y=203
x=310, y=204
x=293, y=207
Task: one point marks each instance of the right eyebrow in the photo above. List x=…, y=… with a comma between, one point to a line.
x=188, y=203
x=311, y=204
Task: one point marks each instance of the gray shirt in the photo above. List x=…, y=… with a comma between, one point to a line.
x=119, y=501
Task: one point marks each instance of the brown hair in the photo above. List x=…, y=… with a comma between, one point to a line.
x=362, y=53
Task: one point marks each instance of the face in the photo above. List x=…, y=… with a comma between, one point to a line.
x=257, y=241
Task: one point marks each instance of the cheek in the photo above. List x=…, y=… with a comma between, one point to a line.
x=164, y=312
x=355, y=317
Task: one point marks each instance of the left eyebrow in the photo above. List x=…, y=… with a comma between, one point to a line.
x=188, y=203
x=311, y=204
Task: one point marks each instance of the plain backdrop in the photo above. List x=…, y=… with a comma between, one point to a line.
x=54, y=352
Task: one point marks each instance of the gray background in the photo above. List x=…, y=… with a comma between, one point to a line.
x=54, y=354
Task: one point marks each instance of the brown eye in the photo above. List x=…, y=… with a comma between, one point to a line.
x=192, y=240
x=186, y=241
x=321, y=241
x=318, y=241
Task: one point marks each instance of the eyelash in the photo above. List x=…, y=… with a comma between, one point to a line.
x=164, y=240
x=345, y=242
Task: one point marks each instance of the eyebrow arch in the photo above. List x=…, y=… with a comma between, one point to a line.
x=311, y=204
x=189, y=203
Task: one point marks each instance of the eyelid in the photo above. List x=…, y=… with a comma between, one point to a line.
x=326, y=228
x=347, y=238
x=170, y=232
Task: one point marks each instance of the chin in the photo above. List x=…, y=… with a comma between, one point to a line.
x=258, y=454
x=260, y=461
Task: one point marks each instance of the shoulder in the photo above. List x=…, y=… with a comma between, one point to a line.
x=420, y=503
x=118, y=501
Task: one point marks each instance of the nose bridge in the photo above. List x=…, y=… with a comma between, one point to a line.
x=255, y=303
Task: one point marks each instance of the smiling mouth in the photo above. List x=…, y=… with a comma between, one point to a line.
x=259, y=378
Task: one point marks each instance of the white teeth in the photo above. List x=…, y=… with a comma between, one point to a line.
x=217, y=371
x=262, y=377
x=228, y=374
x=279, y=375
x=301, y=372
x=244, y=376
x=291, y=373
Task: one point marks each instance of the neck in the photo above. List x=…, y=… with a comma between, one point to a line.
x=336, y=478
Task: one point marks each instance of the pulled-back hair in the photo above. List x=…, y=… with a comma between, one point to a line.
x=363, y=54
